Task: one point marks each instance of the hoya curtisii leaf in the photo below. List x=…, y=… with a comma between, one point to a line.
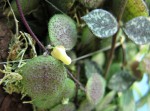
x=138, y=30
x=95, y=88
x=102, y=23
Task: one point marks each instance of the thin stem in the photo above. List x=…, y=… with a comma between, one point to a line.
x=28, y=27
x=124, y=2
x=79, y=84
x=54, y=6
x=92, y=53
x=124, y=55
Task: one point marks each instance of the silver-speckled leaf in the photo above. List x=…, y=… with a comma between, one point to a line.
x=102, y=23
x=138, y=30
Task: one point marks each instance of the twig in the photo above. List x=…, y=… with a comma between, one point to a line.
x=28, y=27
x=124, y=2
x=124, y=55
x=54, y=6
x=90, y=54
x=76, y=93
x=79, y=58
x=80, y=85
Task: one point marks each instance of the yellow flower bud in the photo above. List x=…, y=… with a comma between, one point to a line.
x=59, y=53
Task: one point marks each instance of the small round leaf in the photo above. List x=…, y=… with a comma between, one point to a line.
x=102, y=23
x=62, y=31
x=138, y=30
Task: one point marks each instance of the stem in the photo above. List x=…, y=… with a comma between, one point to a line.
x=124, y=2
x=92, y=53
x=79, y=84
x=28, y=27
x=124, y=55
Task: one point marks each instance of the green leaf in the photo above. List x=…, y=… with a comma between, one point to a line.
x=62, y=31
x=102, y=23
x=86, y=106
x=135, y=8
x=138, y=30
x=105, y=101
x=26, y=5
x=111, y=107
x=95, y=88
x=120, y=81
x=90, y=68
x=64, y=107
x=127, y=102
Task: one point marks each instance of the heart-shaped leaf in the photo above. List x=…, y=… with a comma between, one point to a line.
x=138, y=30
x=102, y=23
x=95, y=88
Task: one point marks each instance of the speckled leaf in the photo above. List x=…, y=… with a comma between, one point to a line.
x=138, y=30
x=95, y=88
x=62, y=31
x=121, y=81
x=101, y=22
x=26, y=5
x=135, y=8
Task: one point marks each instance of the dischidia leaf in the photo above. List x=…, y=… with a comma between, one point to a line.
x=62, y=31
x=43, y=80
x=102, y=23
x=95, y=88
x=138, y=30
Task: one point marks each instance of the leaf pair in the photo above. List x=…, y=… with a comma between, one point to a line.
x=103, y=25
